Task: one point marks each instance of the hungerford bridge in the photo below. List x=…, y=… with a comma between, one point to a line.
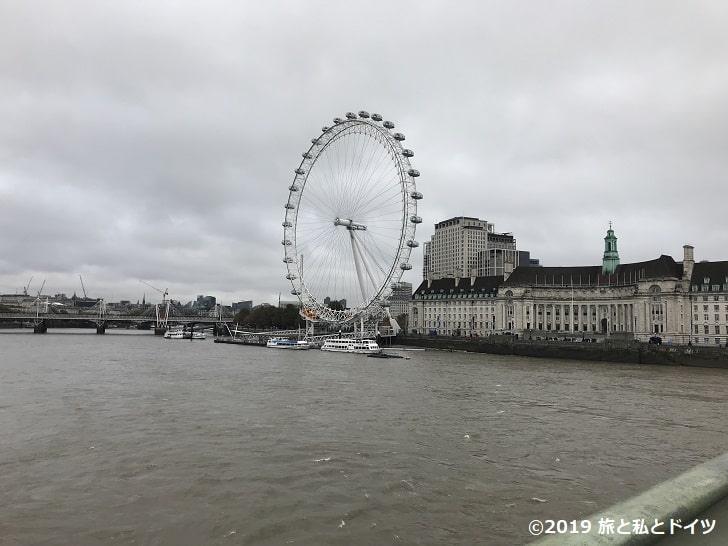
x=159, y=316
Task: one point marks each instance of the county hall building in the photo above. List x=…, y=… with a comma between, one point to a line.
x=680, y=302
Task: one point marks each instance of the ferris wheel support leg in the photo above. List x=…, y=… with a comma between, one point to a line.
x=309, y=330
x=357, y=263
x=366, y=266
x=359, y=260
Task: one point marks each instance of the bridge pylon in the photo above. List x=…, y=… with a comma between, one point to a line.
x=101, y=317
x=162, y=311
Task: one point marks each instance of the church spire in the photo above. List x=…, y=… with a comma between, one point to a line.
x=610, y=261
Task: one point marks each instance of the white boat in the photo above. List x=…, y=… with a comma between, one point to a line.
x=176, y=332
x=179, y=332
x=285, y=343
x=349, y=345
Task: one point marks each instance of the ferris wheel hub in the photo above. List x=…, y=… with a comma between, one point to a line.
x=349, y=224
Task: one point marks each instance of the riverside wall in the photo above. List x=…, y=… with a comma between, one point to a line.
x=633, y=352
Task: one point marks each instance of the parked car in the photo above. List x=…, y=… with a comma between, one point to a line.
x=655, y=340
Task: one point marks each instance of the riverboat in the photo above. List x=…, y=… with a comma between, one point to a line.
x=348, y=345
x=285, y=343
x=179, y=332
x=176, y=332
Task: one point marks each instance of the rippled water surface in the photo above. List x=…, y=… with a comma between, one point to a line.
x=127, y=438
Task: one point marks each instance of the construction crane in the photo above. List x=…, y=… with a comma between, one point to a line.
x=164, y=294
x=38, y=301
x=83, y=288
x=27, y=286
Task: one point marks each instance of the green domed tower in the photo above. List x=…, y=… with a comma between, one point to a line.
x=610, y=261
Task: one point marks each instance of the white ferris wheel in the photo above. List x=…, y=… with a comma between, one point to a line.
x=350, y=219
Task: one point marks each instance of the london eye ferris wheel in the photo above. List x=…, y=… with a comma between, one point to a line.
x=350, y=219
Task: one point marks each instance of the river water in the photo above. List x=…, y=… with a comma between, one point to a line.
x=128, y=438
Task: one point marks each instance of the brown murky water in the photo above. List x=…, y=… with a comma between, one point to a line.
x=127, y=438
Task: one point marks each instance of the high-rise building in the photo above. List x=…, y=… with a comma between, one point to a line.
x=400, y=299
x=468, y=247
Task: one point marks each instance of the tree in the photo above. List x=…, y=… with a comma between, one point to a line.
x=403, y=321
x=267, y=317
x=242, y=315
x=336, y=305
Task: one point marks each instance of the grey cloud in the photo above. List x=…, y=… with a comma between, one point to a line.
x=157, y=141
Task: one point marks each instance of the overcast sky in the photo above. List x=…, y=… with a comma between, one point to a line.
x=156, y=140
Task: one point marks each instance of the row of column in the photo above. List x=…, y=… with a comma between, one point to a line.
x=620, y=316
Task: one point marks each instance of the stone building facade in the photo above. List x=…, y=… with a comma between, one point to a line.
x=680, y=302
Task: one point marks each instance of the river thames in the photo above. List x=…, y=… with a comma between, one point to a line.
x=128, y=438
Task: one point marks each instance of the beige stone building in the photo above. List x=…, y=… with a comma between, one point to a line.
x=679, y=302
x=463, y=246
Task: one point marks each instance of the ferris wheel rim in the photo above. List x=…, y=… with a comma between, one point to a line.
x=382, y=280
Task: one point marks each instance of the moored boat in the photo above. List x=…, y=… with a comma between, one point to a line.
x=285, y=343
x=386, y=355
x=179, y=332
x=350, y=345
x=175, y=332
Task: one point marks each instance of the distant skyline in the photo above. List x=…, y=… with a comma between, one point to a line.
x=156, y=141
